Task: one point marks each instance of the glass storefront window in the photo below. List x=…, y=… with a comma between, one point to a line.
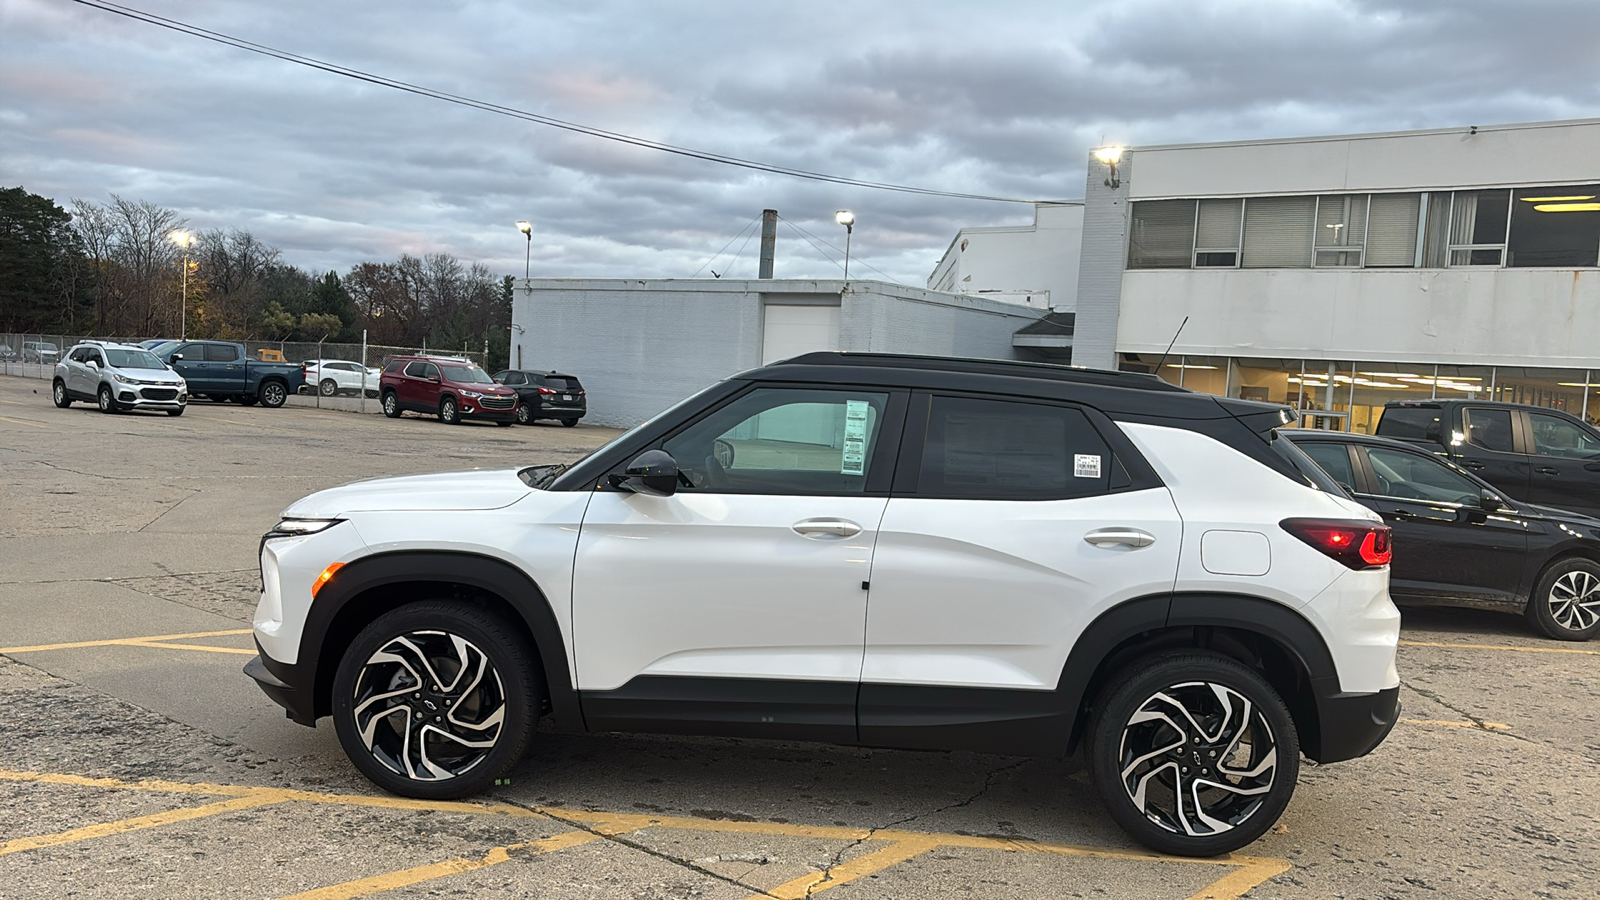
x=1556, y=388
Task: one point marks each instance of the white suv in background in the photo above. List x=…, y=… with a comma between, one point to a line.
x=117, y=377
x=1056, y=560
x=330, y=377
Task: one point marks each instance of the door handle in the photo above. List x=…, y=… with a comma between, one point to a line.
x=1546, y=470
x=826, y=528
x=1472, y=464
x=1131, y=537
x=1592, y=467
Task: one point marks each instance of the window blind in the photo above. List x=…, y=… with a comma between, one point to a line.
x=1218, y=227
x=1277, y=232
x=1162, y=234
x=1392, y=230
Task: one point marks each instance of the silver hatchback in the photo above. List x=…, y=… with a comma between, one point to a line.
x=118, y=377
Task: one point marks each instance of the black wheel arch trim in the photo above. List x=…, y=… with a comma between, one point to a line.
x=314, y=674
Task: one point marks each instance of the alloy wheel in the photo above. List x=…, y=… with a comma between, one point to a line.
x=1575, y=600
x=1198, y=759
x=429, y=705
x=273, y=395
x=328, y=387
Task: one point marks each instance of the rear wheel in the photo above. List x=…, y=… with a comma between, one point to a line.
x=448, y=413
x=1193, y=754
x=1565, y=603
x=328, y=387
x=570, y=423
x=59, y=391
x=108, y=404
x=391, y=405
x=273, y=394
x=436, y=699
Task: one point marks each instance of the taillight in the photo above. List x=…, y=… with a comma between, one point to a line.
x=547, y=391
x=1353, y=542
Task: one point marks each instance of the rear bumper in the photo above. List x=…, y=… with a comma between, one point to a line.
x=286, y=684
x=1353, y=725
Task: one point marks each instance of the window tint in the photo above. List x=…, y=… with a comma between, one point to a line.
x=1410, y=423
x=417, y=370
x=1008, y=450
x=394, y=365
x=783, y=441
x=560, y=383
x=429, y=370
x=1490, y=429
x=221, y=353
x=511, y=378
x=1555, y=436
x=1413, y=476
x=1334, y=459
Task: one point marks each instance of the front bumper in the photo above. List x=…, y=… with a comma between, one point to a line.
x=470, y=409
x=1352, y=725
x=286, y=684
x=149, y=396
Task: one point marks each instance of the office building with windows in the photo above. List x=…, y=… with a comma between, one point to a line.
x=1337, y=273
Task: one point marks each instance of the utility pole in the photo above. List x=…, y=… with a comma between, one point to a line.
x=769, y=241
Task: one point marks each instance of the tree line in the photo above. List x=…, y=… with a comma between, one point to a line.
x=114, y=270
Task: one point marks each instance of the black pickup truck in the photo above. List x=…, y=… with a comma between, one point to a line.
x=222, y=370
x=1537, y=455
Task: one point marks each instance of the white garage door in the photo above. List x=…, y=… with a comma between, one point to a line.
x=792, y=330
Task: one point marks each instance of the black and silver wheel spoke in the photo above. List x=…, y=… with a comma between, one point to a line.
x=429, y=705
x=1575, y=600
x=1198, y=758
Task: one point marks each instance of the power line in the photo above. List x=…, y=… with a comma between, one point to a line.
x=808, y=236
x=485, y=106
x=725, y=247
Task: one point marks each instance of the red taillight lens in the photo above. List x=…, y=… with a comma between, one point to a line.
x=1353, y=542
x=547, y=391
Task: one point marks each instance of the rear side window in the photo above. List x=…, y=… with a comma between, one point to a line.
x=1333, y=459
x=221, y=353
x=417, y=370
x=1009, y=450
x=1490, y=429
x=394, y=365
x=1409, y=423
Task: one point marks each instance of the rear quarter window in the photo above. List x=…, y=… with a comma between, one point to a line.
x=1410, y=423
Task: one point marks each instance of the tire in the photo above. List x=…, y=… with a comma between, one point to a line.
x=504, y=424
x=1565, y=604
x=59, y=392
x=524, y=416
x=108, y=404
x=570, y=423
x=439, y=640
x=391, y=404
x=245, y=400
x=448, y=413
x=217, y=398
x=1149, y=736
x=328, y=387
x=273, y=394
x=176, y=412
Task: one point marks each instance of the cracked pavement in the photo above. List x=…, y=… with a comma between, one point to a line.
x=116, y=527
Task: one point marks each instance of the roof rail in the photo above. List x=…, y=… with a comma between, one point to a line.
x=1012, y=368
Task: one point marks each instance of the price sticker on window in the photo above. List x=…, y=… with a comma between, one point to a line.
x=1086, y=465
x=854, y=461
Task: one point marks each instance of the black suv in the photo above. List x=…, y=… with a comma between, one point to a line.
x=546, y=395
x=1532, y=453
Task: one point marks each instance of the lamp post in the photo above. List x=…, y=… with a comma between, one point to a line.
x=848, y=219
x=527, y=258
x=1110, y=156
x=183, y=239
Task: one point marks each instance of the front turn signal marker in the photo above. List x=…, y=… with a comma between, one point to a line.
x=324, y=578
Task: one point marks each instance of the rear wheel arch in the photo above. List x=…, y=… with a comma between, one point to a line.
x=371, y=586
x=1276, y=641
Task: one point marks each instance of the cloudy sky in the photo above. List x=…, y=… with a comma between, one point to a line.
x=988, y=98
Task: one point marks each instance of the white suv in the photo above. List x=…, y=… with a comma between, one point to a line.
x=118, y=377
x=866, y=549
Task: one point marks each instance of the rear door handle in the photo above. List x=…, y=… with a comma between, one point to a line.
x=1546, y=470
x=822, y=529
x=1130, y=537
x=1592, y=467
x=1472, y=464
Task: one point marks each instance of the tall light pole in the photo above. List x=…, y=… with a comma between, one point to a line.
x=183, y=239
x=527, y=258
x=848, y=219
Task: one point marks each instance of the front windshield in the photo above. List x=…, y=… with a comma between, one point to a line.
x=466, y=375
x=133, y=359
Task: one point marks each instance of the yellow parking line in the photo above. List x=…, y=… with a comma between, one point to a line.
x=191, y=647
x=133, y=641
x=24, y=422
x=122, y=826
x=1243, y=880
x=406, y=877
x=1486, y=726
x=860, y=867
x=1499, y=647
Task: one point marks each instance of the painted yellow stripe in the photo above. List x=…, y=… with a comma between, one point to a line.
x=123, y=826
x=1242, y=881
x=166, y=646
x=1486, y=726
x=24, y=422
x=134, y=641
x=844, y=873
x=406, y=877
x=1500, y=647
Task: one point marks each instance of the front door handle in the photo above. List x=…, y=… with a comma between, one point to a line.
x=1472, y=464
x=1546, y=470
x=821, y=529
x=1131, y=537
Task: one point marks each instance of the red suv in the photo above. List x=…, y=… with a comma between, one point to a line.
x=450, y=387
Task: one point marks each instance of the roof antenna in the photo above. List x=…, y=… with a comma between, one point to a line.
x=1169, y=345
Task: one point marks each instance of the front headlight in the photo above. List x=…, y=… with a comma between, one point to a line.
x=301, y=527
x=473, y=394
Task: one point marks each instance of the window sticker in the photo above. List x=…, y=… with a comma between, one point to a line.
x=1086, y=465
x=854, y=461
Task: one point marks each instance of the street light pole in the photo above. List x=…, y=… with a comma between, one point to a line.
x=527, y=258
x=848, y=219
x=183, y=239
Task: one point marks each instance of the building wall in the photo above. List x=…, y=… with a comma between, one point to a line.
x=1520, y=317
x=1035, y=265
x=1105, y=246
x=950, y=326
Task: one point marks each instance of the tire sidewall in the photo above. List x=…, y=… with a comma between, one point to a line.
x=273, y=395
x=512, y=659
x=449, y=413
x=391, y=405
x=328, y=387
x=1539, y=613
x=1129, y=689
x=103, y=398
x=524, y=417
x=59, y=390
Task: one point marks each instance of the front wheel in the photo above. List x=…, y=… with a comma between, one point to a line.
x=524, y=415
x=1193, y=754
x=448, y=413
x=273, y=394
x=108, y=404
x=1565, y=603
x=63, y=400
x=436, y=700
x=391, y=405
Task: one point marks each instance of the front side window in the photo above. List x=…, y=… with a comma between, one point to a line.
x=1555, y=436
x=1011, y=450
x=1412, y=476
x=783, y=441
x=1490, y=429
x=417, y=370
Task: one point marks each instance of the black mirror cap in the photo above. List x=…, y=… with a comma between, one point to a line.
x=1490, y=501
x=653, y=473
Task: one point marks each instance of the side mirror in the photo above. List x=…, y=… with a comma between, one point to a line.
x=1490, y=501
x=176, y=357
x=433, y=379
x=92, y=362
x=653, y=473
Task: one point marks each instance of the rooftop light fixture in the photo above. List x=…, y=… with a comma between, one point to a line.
x=1110, y=156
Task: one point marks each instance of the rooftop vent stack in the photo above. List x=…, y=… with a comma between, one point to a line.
x=769, y=240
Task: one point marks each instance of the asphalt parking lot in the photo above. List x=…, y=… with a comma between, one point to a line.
x=139, y=762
